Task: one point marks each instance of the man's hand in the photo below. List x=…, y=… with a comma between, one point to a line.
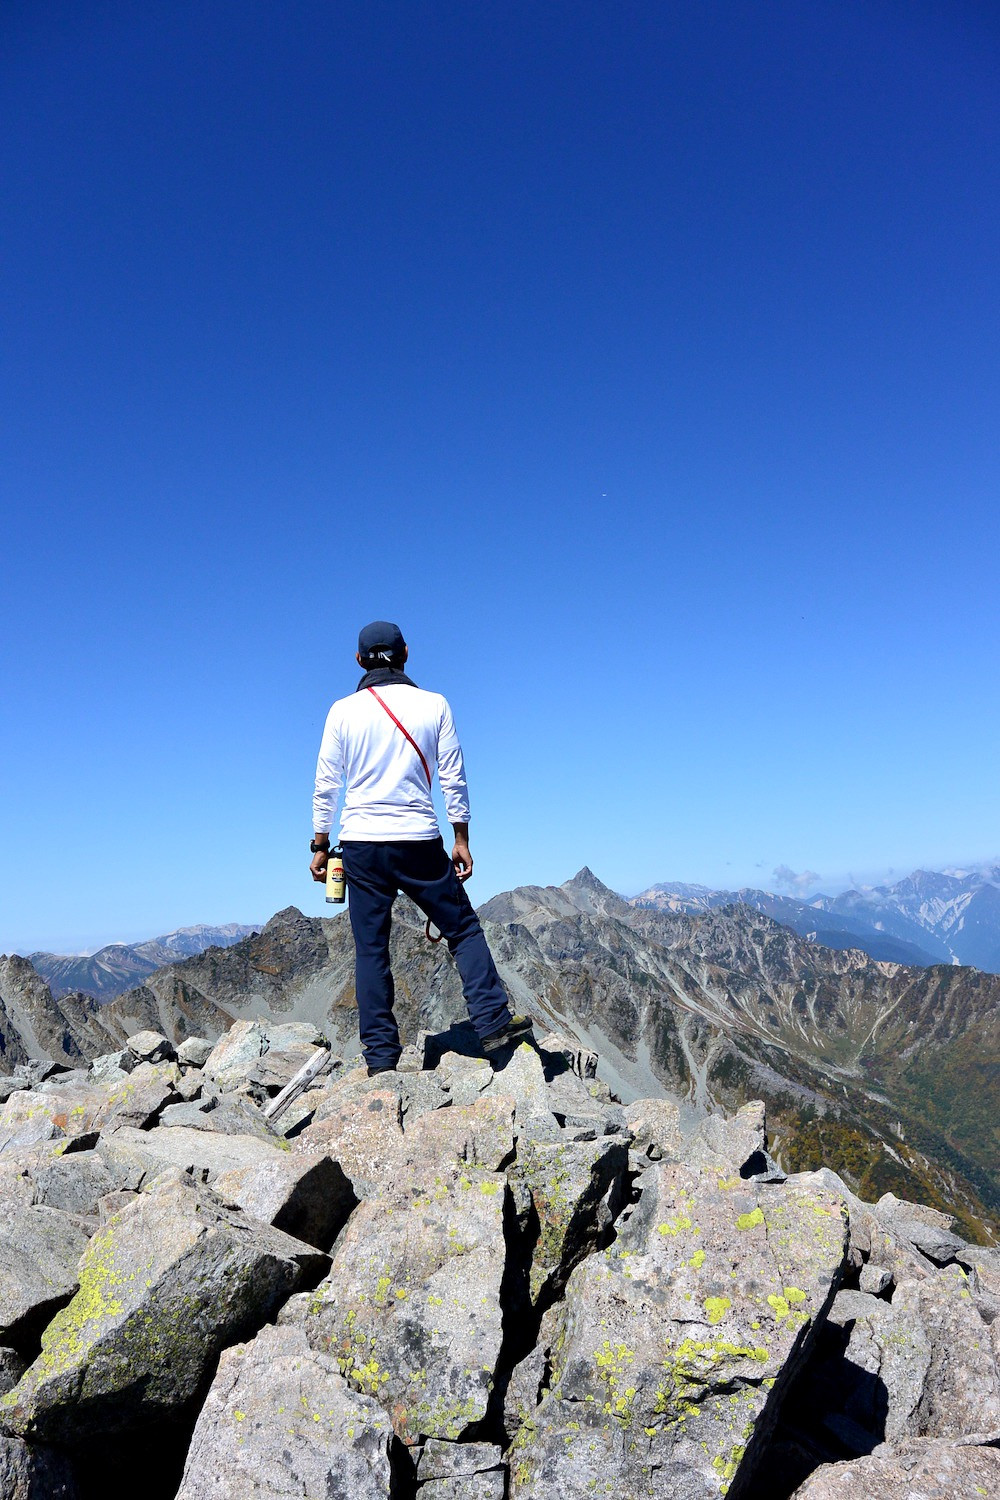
x=317, y=865
x=460, y=856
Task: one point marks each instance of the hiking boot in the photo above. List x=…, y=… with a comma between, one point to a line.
x=388, y=1068
x=500, y=1043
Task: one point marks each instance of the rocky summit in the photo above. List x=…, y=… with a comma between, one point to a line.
x=456, y=1281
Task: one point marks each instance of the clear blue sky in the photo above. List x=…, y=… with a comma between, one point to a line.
x=640, y=360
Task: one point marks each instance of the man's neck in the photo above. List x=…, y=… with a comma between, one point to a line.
x=384, y=677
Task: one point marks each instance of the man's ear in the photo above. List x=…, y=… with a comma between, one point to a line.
x=357, y=658
x=406, y=652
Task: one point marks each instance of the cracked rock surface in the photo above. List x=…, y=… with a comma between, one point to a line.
x=930, y=1470
x=167, y=1282
x=677, y=1338
x=281, y=1420
x=411, y=1306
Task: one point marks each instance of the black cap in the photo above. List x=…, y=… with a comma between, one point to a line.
x=382, y=640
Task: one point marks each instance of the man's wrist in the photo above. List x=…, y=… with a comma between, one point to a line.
x=319, y=842
x=461, y=832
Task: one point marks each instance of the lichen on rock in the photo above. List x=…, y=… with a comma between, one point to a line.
x=678, y=1334
x=162, y=1288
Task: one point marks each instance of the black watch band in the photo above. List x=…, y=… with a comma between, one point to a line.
x=315, y=848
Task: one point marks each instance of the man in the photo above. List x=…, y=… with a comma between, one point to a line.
x=378, y=747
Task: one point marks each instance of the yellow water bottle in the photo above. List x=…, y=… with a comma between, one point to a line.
x=336, y=884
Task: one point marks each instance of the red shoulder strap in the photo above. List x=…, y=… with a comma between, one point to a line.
x=407, y=735
x=404, y=732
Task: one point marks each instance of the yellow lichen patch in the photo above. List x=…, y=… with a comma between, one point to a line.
x=716, y=1308
x=687, y=1369
x=750, y=1220
x=443, y=1418
x=96, y=1301
x=725, y=1465
x=697, y=1260
x=673, y=1227
x=612, y=1361
x=368, y=1377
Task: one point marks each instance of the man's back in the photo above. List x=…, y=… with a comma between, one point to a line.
x=387, y=795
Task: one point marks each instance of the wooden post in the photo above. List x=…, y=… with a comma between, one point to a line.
x=316, y=1065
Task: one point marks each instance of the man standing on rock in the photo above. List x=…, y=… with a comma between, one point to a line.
x=378, y=747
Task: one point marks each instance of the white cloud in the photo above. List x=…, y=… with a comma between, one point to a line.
x=796, y=884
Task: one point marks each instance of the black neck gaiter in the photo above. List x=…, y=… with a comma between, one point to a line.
x=383, y=677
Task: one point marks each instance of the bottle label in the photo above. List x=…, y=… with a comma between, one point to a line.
x=336, y=885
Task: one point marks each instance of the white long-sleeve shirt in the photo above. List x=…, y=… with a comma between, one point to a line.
x=386, y=790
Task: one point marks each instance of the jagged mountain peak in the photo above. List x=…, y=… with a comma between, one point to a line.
x=583, y=895
x=922, y=883
x=288, y=916
x=16, y=964
x=589, y=894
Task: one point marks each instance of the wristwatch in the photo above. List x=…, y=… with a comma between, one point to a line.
x=315, y=848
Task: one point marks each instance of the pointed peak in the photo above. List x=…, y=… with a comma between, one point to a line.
x=588, y=880
x=588, y=894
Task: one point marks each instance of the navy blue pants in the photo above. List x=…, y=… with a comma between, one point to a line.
x=423, y=871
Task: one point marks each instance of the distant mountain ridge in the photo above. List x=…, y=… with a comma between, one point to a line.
x=118, y=967
x=930, y=917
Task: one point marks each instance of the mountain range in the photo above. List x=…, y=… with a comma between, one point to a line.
x=118, y=966
x=928, y=918
x=931, y=917
x=889, y=1073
